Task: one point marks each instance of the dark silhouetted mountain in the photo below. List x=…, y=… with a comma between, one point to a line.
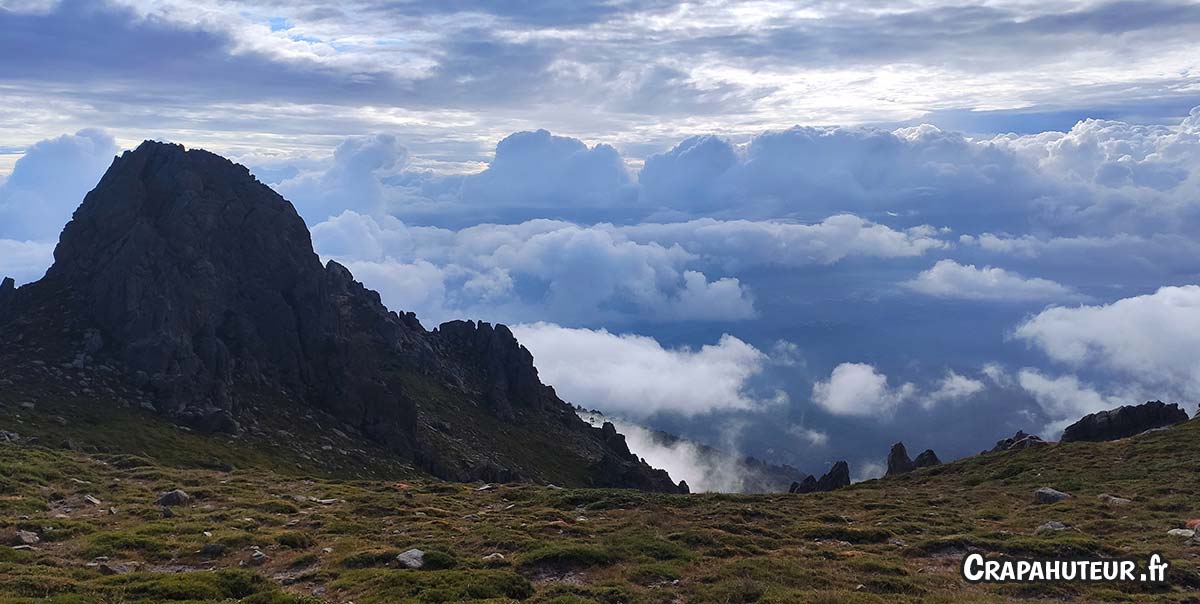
x=927, y=459
x=198, y=286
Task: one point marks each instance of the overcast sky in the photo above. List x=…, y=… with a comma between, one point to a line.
x=804, y=230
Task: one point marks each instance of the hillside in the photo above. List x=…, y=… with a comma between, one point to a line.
x=893, y=540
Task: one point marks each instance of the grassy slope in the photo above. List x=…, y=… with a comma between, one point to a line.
x=895, y=540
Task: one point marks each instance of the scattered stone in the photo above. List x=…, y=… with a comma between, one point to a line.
x=898, y=461
x=1124, y=422
x=116, y=568
x=1049, y=495
x=412, y=559
x=92, y=500
x=1113, y=500
x=26, y=538
x=487, y=487
x=1053, y=525
x=175, y=497
x=494, y=557
x=258, y=558
x=27, y=406
x=323, y=501
x=1185, y=533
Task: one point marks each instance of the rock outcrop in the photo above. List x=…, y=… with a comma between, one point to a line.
x=898, y=461
x=199, y=285
x=1124, y=422
x=1017, y=442
x=8, y=290
x=807, y=485
x=837, y=477
x=927, y=459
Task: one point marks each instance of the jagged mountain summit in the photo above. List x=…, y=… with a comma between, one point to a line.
x=197, y=287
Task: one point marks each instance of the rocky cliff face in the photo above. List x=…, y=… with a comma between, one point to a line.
x=200, y=284
x=1124, y=421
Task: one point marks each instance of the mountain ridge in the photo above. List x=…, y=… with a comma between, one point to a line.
x=198, y=286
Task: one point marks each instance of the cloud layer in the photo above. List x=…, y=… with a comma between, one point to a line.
x=635, y=376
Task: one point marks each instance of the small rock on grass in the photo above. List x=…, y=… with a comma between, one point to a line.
x=413, y=558
x=258, y=558
x=494, y=558
x=1049, y=495
x=1053, y=525
x=1185, y=533
x=26, y=538
x=174, y=497
x=1113, y=500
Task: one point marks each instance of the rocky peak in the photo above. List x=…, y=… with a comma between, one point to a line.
x=927, y=459
x=1124, y=421
x=200, y=287
x=837, y=477
x=501, y=364
x=898, y=461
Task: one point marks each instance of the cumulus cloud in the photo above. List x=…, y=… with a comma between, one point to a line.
x=1153, y=339
x=858, y=389
x=1063, y=399
x=530, y=271
x=564, y=272
x=50, y=181
x=636, y=376
x=737, y=243
x=353, y=180
x=949, y=279
x=541, y=169
x=953, y=387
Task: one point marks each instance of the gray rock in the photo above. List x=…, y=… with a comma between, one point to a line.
x=494, y=558
x=1124, y=422
x=927, y=459
x=411, y=559
x=807, y=485
x=1184, y=533
x=116, y=568
x=26, y=538
x=1053, y=525
x=1113, y=500
x=1049, y=495
x=175, y=497
x=258, y=558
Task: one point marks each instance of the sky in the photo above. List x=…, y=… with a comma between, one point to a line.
x=799, y=230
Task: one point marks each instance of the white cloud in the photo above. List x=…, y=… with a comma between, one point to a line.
x=736, y=243
x=635, y=376
x=949, y=279
x=868, y=469
x=857, y=389
x=25, y=261
x=813, y=438
x=1152, y=339
x=1064, y=399
x=50, y=181
x=352, y=180
x=953, y=387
